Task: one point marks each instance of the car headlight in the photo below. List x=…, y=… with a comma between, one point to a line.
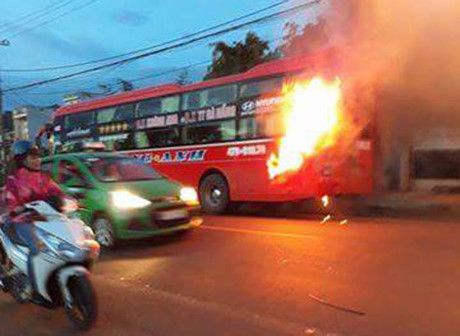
x=189, y=195
x=124, y=199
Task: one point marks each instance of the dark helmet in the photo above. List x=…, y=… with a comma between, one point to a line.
x=21, y=149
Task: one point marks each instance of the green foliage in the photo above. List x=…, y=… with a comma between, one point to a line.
x=125, y=85
x=183, y=78
x=229, y=59
x=303, y=40
x=238, y=57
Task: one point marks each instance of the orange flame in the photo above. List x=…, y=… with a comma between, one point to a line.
x=311, y=118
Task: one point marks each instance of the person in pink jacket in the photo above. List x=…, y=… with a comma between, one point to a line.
x=27, y=184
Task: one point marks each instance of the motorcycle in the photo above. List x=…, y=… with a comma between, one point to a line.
x=62, y=268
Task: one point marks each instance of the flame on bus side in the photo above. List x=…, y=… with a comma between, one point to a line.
x=312, y=116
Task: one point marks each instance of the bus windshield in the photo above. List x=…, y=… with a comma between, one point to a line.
x=121, y=169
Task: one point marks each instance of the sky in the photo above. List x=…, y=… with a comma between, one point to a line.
x=73, y=31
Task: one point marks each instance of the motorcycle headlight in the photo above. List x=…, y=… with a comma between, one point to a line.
x=124, y=200
x=70, y=206
x=88, y=233
x=188, y=195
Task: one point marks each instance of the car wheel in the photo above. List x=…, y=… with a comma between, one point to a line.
x=104, y=232
x=214, y=194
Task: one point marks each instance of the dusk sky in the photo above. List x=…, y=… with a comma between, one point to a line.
x=74, y=31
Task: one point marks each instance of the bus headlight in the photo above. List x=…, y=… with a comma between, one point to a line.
x=188, y=195
x=123, y=199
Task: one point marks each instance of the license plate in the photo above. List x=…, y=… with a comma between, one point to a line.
x=172, y=214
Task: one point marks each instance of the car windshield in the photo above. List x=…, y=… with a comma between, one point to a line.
x=120, y=169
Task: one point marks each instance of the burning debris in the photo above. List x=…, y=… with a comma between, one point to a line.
x=325, y=201
x=326, y=219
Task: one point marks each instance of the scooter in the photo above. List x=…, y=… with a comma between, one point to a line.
x=62, y=268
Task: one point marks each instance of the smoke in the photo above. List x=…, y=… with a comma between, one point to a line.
x=407, y=55
x=405, y=46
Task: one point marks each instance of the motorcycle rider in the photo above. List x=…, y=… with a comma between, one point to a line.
x=27, y=184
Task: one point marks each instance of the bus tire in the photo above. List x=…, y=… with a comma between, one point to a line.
x=214, y=194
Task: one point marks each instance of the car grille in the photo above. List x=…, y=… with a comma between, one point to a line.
x=171, y=223
x=168, y=207
x=162, y=199
x=165, y=223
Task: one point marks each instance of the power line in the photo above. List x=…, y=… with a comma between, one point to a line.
x=202, y=31
x=86, y=79
x=201, y=63
x=162, y=50
x=16, y=26
x=72, y=10
x=24, y=101
x=6, y=25
x=137, y=79
x=90, y=78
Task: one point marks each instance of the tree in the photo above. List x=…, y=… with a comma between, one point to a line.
x=238, y=57
x=86, y=95
x=183, y=78
x=125, y=85
x=106, y=89
x=311, y=37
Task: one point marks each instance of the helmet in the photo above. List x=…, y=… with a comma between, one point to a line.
x=21, y=149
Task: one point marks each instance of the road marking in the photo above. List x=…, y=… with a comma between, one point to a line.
x=278, y=325
x=257, y=232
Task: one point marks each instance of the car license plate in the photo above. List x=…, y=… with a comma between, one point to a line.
x=172, y=214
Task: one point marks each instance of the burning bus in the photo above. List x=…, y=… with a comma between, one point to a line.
x=285, y=130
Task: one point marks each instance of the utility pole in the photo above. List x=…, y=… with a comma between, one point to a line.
x=2, y=135
x=3, y=43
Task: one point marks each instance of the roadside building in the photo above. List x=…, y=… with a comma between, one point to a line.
x=29, y=119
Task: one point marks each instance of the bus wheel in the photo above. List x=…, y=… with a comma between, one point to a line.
x=214, y=195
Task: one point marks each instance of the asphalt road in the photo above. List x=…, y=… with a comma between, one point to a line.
x=271, y=276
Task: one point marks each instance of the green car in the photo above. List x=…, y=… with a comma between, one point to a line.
x=121, y=197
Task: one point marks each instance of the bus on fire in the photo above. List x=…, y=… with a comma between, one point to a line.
x=285, y=130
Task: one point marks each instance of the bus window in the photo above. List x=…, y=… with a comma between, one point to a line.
x=124, y=144
x=211, y=97
x=80, y=121
x=248, y=129
x=222, y=95
x=115, y=113
x=123, y=141
x=158, y=106
x=269, y=125
x=194, y=100
x=210, y=132
x=258, y=88
x=157, y=138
